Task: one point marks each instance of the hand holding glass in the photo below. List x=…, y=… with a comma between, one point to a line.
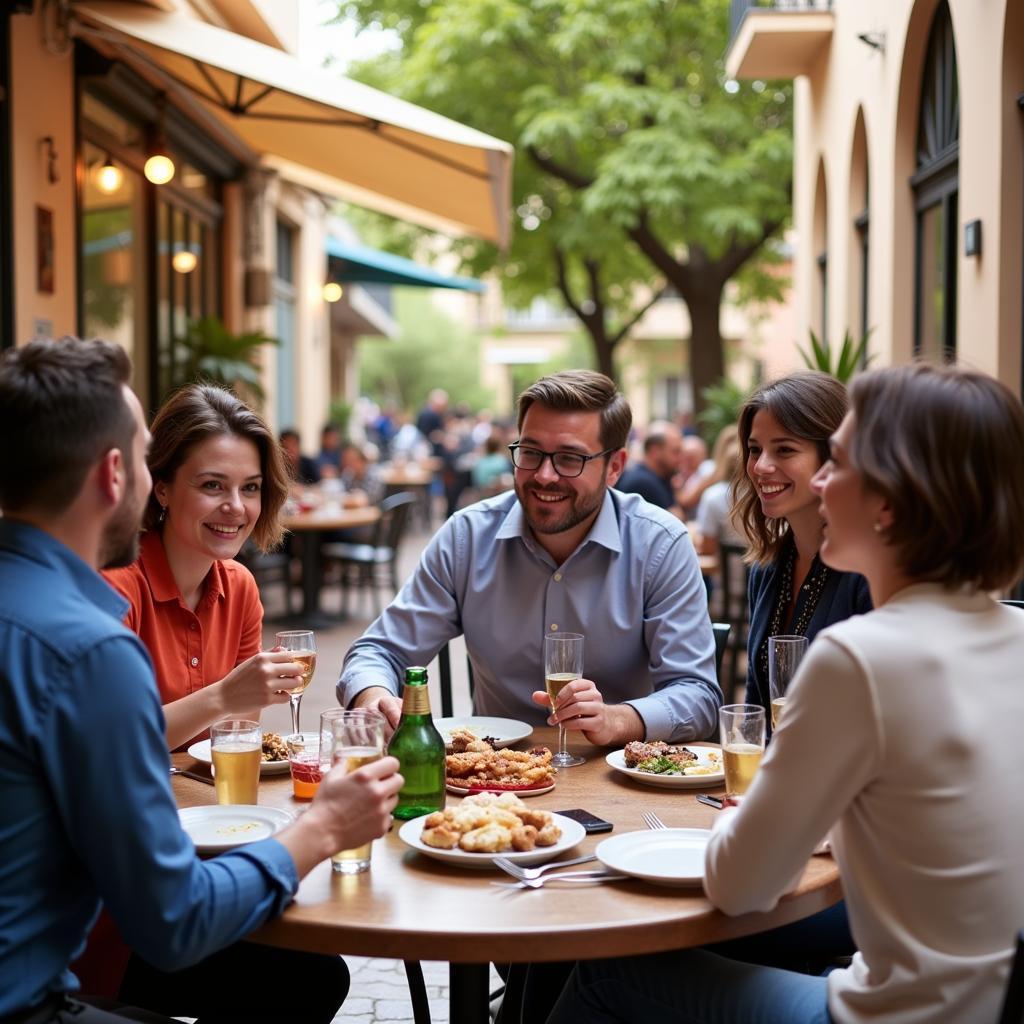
x=563, y=662
x=742, y=733
x=356, y=738
x=236, y=749
x=784, y=656
x=302, y=643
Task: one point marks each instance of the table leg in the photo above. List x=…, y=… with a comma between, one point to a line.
x=468, y=993
x=312, y=577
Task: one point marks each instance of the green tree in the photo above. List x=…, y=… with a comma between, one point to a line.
x=638, y=166
x=430, y=351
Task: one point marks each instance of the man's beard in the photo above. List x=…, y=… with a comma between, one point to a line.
x=578, y=508
x=120, y=545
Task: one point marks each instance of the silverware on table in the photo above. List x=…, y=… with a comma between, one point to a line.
x=516, y=871
x=185, y=773
x=711, y=800
x=651, y=820
x=573, y=876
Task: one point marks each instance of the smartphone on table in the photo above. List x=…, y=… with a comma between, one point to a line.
x=591, y=822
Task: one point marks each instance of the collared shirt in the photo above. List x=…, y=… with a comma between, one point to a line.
x=641, y=479
x=190, y=649
x=632, y=588
x=86, y=809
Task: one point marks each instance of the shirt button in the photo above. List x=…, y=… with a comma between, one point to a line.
x=195, y=661
x=554, y=627
x=558, y=577
x=192, y=626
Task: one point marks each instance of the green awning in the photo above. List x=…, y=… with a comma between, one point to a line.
x=347, y=261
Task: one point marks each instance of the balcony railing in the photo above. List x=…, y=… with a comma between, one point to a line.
x=739, y=8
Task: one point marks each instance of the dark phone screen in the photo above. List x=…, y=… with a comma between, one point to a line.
x=590, y=822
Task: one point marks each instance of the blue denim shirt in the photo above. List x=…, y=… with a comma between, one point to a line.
x=632, y=588
x=86, y=809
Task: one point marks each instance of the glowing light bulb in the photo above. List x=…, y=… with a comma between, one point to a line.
x=159, y=169
x=184, y=262
x=109, y=177
x=332, y=291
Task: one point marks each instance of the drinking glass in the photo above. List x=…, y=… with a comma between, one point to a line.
x=742, y=730
x=301, y=643
x=784, y=655
x=563, y=662
x=356, y=738
x=236, y=748
x=304, y=763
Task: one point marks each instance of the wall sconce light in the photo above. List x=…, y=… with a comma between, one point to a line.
x=108, y=176
x=184, y=261
x=972, y=238
x=50, y=155
x=159, y=168
x=332, y=291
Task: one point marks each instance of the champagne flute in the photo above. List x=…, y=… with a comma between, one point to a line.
x=563, y=662
x=784, y=655
x=302, y=645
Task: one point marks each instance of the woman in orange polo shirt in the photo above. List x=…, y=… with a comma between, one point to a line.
x=218, y=478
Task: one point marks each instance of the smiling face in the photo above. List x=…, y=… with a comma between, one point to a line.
x=554, y=504
x=780, y=467
x=214, y=500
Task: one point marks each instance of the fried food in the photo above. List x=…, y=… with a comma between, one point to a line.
x=637, y=752
x=487, y=823
x=497, y=769
x=274, y=748
x=463, y=739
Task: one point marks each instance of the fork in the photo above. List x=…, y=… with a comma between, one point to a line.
x=651, y=820
x=600, y=875
x=525, y=874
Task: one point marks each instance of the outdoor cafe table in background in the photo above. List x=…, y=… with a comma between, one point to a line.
x=312, y=526
x=410, y=907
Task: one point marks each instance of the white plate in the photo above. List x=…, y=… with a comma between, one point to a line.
x=461, y=791
x=617, y=760
x=201, y=752
x=214, y=828
x=505, y=731
x=572, y=833
x=670, y=856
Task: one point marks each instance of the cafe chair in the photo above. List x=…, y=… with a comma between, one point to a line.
x=444, y=666
x=375, y=564
x=269, y=569
x=1013, y=1002
x=733, y=574
x=721, y=631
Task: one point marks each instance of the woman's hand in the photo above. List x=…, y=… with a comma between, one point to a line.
x=263, y=679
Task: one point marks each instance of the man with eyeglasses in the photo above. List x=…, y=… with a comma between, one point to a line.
x=563, y=553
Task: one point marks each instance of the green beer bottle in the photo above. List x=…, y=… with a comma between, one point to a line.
x=420, y=750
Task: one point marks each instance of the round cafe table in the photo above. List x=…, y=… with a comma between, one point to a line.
x=411, y=907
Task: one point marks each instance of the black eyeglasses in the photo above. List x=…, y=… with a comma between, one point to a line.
x=567, y=464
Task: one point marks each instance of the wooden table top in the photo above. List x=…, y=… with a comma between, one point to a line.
x=332, y=518
x=411, y=907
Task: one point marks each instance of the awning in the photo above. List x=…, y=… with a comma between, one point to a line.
x=331, y=133
x=350, y=262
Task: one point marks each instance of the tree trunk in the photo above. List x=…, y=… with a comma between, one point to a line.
x=603, y=348
x=707, y=359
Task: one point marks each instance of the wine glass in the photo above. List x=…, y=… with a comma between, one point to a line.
x=784, y=655
x=563, y=662
x=301, y=643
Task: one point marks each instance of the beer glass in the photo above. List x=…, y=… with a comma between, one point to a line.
x=301, y=643
x=742, y=733
x=563, y=662
x=356, y=738
x=784, y=656
x=236, y=749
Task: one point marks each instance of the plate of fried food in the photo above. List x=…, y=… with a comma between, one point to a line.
x=670, y=766
x=489, y=825
x=479, y=768
x=459, y=733
x=274, y=756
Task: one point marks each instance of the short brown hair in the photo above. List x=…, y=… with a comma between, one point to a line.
x=945, y=447
x=582, y=391
x=200, y=411
x=61, y=407
x=809, y=405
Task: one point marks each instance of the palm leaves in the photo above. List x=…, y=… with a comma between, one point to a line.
x=209, y=351
x=851, y=356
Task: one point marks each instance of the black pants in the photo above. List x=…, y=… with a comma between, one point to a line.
x=243, y=983
x=60, y=1009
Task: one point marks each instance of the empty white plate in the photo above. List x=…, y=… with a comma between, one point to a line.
x=670, y=856
x=215, y=827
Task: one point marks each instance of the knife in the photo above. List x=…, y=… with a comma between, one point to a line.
x=192, y=775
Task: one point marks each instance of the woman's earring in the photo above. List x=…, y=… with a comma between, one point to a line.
x=878, y=527
x=163, y=514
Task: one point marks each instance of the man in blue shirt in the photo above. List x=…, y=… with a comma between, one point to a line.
x=652, y=478
x=564, y=552
x=86, y=809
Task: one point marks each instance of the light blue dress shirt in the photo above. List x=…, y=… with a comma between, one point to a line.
x=86, y=809
x=633, y=588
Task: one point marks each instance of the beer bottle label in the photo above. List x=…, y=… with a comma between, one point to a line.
x=416, y=701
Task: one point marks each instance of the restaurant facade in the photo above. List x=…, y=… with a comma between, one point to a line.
x=908, y=193
x=169, y=161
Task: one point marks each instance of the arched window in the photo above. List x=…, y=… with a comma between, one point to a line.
x=935, y=184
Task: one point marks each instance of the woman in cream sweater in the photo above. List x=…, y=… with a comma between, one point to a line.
x=900, y=740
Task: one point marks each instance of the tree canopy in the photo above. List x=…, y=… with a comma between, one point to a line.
x=638, y=166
